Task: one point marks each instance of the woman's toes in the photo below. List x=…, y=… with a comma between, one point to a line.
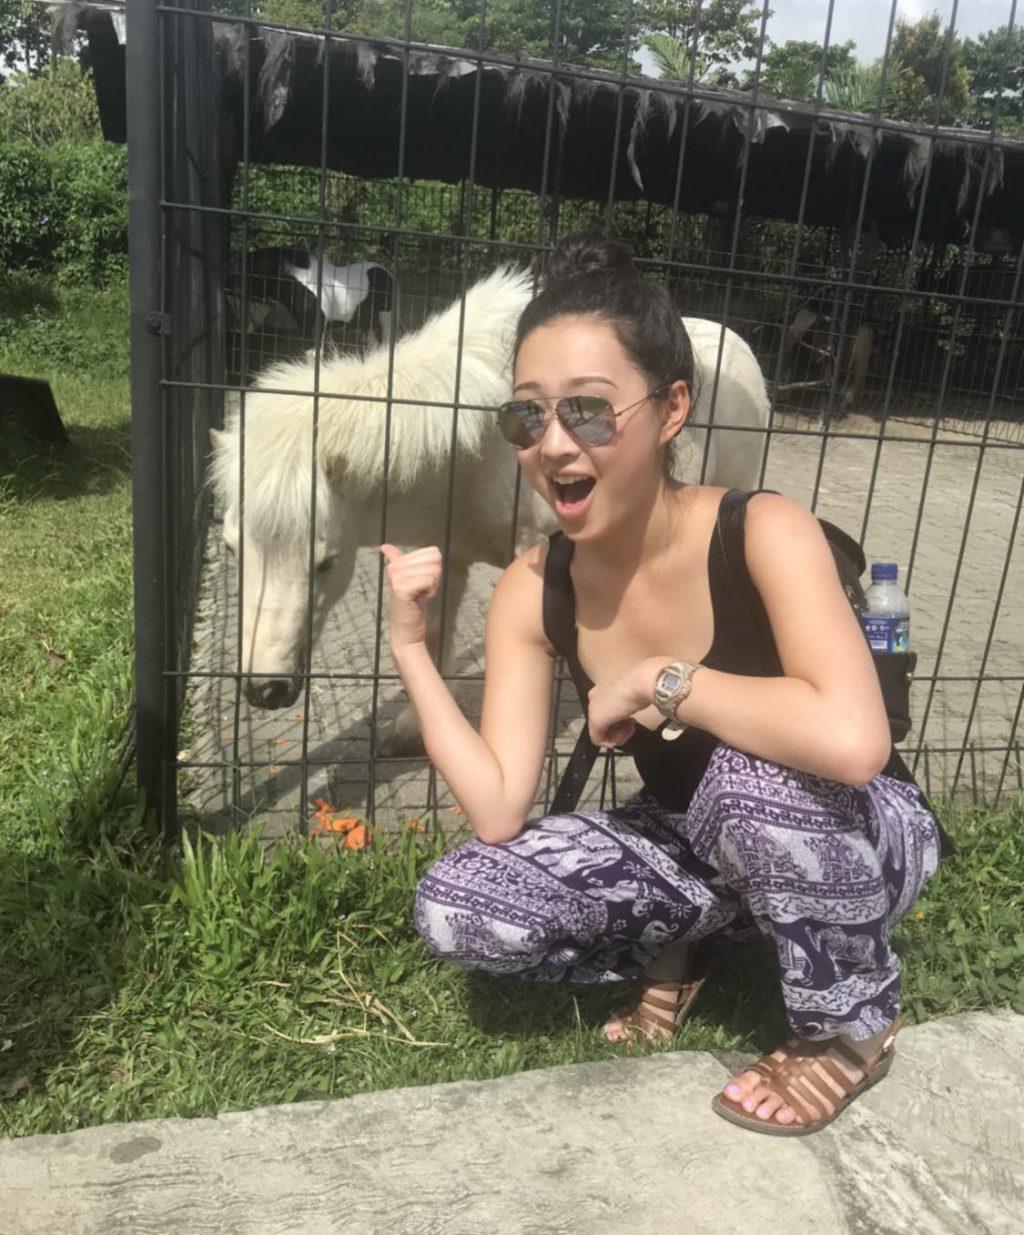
x=785, y=1115
x=769, y=1106
x=740, y=1085
x=755, y=1098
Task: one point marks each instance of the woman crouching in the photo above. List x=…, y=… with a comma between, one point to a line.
x=709, y=636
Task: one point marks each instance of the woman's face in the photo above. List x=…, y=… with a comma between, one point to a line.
x=593, y=489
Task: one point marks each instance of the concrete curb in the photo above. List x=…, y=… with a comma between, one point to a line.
x=629, y=1145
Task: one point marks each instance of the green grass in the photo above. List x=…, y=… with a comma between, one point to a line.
x=137, y=983
x=65, y=557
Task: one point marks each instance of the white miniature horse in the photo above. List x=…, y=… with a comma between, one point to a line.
x=356, y=451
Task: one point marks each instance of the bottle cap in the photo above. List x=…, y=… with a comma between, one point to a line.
x=882, y=570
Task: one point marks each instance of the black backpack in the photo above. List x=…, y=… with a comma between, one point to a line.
x=895, y=669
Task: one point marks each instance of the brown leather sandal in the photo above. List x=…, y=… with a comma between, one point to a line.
x=811, y=1083
x=657, y=1009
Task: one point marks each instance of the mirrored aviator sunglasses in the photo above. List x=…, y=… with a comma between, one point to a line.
x=590, y=419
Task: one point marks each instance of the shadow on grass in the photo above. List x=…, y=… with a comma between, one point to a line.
x=69, y=929
x=23, y=295
x=743, y=999
x=94, y=462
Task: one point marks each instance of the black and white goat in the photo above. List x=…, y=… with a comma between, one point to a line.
x=296, y=298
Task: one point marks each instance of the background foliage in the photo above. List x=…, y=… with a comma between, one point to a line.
x=63, y=196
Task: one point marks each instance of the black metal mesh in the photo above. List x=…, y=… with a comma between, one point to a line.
x=873, y=266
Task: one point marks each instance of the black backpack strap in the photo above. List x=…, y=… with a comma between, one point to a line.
x=558, y=598
x=560, y=631
x=846, y=553
x=729, y=528
x=559, y=608
x=844, y=543
x=575, y=776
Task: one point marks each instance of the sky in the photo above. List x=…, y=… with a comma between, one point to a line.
x=866, y=21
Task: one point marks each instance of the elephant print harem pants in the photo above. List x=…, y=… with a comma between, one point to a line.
x=822, y=869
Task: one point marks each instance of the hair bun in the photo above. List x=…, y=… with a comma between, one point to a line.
x=590, y=253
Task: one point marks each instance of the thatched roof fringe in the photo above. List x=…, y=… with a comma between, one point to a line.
x=366, y=65
x=515, y=100
x=983, y=167
x=65, y=24
x=275, y=81
x=647, y=104
x=563, y=101
x=670, y=113
x=862, y=139
x=230, y=43
x=636, y=129
x=449, y=69
x=912, y=172
x=515, y=94
x=996, y=170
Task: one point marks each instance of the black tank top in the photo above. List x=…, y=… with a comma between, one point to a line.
x=743, y=643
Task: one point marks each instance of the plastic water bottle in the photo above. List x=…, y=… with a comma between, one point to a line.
x=886, y=614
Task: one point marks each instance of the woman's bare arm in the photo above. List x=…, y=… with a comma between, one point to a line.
x=493, y=774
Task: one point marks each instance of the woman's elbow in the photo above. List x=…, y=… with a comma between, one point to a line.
x=862, y=754
x=496, y=832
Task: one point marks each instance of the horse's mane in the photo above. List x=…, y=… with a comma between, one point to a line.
x=351, y=430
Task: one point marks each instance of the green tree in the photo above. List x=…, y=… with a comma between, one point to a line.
x=26, y=36
x=790, y=70
x=59, y=103
x=856, y=87
x=995, y=62
x=591, y=32
x=919, y=48
x=723, y=31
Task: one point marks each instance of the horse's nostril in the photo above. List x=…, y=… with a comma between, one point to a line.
x=272, y=693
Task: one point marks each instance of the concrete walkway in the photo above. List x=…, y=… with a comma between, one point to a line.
x=630, y=1146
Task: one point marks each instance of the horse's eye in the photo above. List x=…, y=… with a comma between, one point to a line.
x=325, y=565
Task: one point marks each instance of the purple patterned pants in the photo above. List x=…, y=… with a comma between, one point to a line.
x=822, y=869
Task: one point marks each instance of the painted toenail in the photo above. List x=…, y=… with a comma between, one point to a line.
x=784, y=1117
x=733, y=1091
x=763, y=1111
x=748, y=1105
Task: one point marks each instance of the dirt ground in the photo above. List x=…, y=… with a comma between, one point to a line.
x=966, y=585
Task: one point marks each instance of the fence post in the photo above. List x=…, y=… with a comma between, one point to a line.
x=155, y=727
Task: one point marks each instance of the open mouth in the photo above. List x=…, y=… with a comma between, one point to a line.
x=571, y=496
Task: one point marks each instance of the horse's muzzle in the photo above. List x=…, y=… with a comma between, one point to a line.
x=272, y=692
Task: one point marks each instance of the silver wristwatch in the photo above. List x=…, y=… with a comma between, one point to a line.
x=671, y=686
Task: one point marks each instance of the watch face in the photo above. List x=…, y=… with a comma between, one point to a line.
x=669, y=681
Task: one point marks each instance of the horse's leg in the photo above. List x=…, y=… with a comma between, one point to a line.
x=856, y=368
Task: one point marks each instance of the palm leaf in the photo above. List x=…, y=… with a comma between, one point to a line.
x=672, y=58
x=857, y=88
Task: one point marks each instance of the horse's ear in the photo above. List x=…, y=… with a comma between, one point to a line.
x=218, y=438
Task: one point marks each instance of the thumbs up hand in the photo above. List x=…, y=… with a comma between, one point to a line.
x=413, y=578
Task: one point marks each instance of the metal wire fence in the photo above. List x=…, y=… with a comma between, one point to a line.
x=874, y=266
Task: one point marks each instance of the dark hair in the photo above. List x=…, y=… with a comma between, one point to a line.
x=592, y=274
